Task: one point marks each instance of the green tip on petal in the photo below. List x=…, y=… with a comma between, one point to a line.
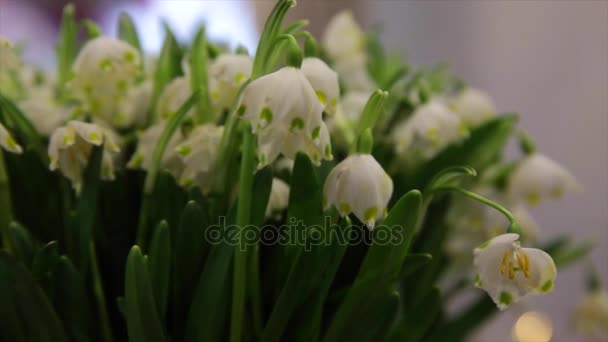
x=547, y=286
x=505, y=298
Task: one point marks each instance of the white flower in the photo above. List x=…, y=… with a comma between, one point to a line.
x=279, y=197
x=43, y=111
x=134, y=108
x=538, y=177
x=473, y=106
x=103, y=72
x=343, y=37
x=358, y=184
x=227, y=74
x=285, y=112
x=591, y=315
x=145, y=148
x=199, y=153
x=353, y=73
x=352, y=105
x=173, y=97
x=507, y=272
x=9, y=60
x=70, y=147
x=324, y=81
x=431, y=128
x=7, y=142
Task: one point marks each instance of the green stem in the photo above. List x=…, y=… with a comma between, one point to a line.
x=254, y=290
x=106, y=330
x=243, y=216
x=150, y=182
x=6, y=207
x=479, y=198
x=66, y=49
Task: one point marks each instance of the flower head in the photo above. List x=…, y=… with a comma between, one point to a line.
x=285, y=112
x=343, y=37
x=591, y=315
x=7, y=142
x=198, y=154
x=103, y=72
x=279, y=197
x=173, y=96
x=507, y=272
x=473, y=106
x=134, y=109
x=358, y=184
x=324, y=81
x=70, y=148
x=538, y=177
x=43, y=111
x=431, y=128
x=147, y=143
x=226, y=76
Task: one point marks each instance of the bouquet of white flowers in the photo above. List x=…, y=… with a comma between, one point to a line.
x=309, y=192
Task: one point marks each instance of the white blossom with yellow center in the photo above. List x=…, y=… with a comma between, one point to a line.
x=285, y=113
x=173, y=97
x=473, y=106
x=279, y=197
x=324, y=81
x=537, y=177
x=591, y=316
x=430, y=129
x=199, y=153
x=104, y=71
x=359, y=185
x=7, y=142
x=227, y=74
x=507, y=272
x=147, y=143
x=70, y=147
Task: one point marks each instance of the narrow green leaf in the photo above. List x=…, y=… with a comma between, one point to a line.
x=167, y=68
x=127, y=31
x=413, y=326
x=198, y=75
x=449, y=175
x=11, y=116
x=159, y=264
x=66, y=48
x=143, y=321
x=262, y=186
x=413, y=263
x=20, y=241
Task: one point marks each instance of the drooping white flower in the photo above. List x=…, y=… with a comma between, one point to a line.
x=473, y=106
x=343, y=37
x=353, y=73
x=285, y=112
x=7, y=142
x=134, y=108
x=103, y=72
x=147, y=143
x=227, y=74
x=199, y=153
x=9, y=60
x=173, y=96
x=324, y=81
x=358, y=184
x=279, y=197
x=507, y=272
x=44, y=112
x=352, y=105
x=431, y=128
x=70, y=148
x=591, y=316
x=538, y=177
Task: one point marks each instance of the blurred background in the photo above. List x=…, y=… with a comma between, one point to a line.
x=547, y=60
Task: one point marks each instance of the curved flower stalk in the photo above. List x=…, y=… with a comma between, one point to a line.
x=285, y=112
x=431, y=128
x=591, y=316
x=7, y=142
x=198, y=154
x=507, y=272
x=537, y=177
x=227, y=74
x=324, y=81
x=142, y=157
x=359, y=185
x=103, y=72
x=279, y=198
x=70, y=148
x=473, y=106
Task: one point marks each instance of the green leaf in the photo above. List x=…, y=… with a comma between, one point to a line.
x=168, y=67
x=413, y=263
x=190, y=251
x=81, y=230
x=262, y=186
x=66, y=48
x=14, y=119
x=459, y=327
x=143, y=321
x=20, y=291
x=159, y=264
x=127, y=31
x=198, y=75
x=413, y=326
x=21, y=244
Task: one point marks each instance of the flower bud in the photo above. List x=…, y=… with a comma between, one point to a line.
x=279, y=197
x=358, y=184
